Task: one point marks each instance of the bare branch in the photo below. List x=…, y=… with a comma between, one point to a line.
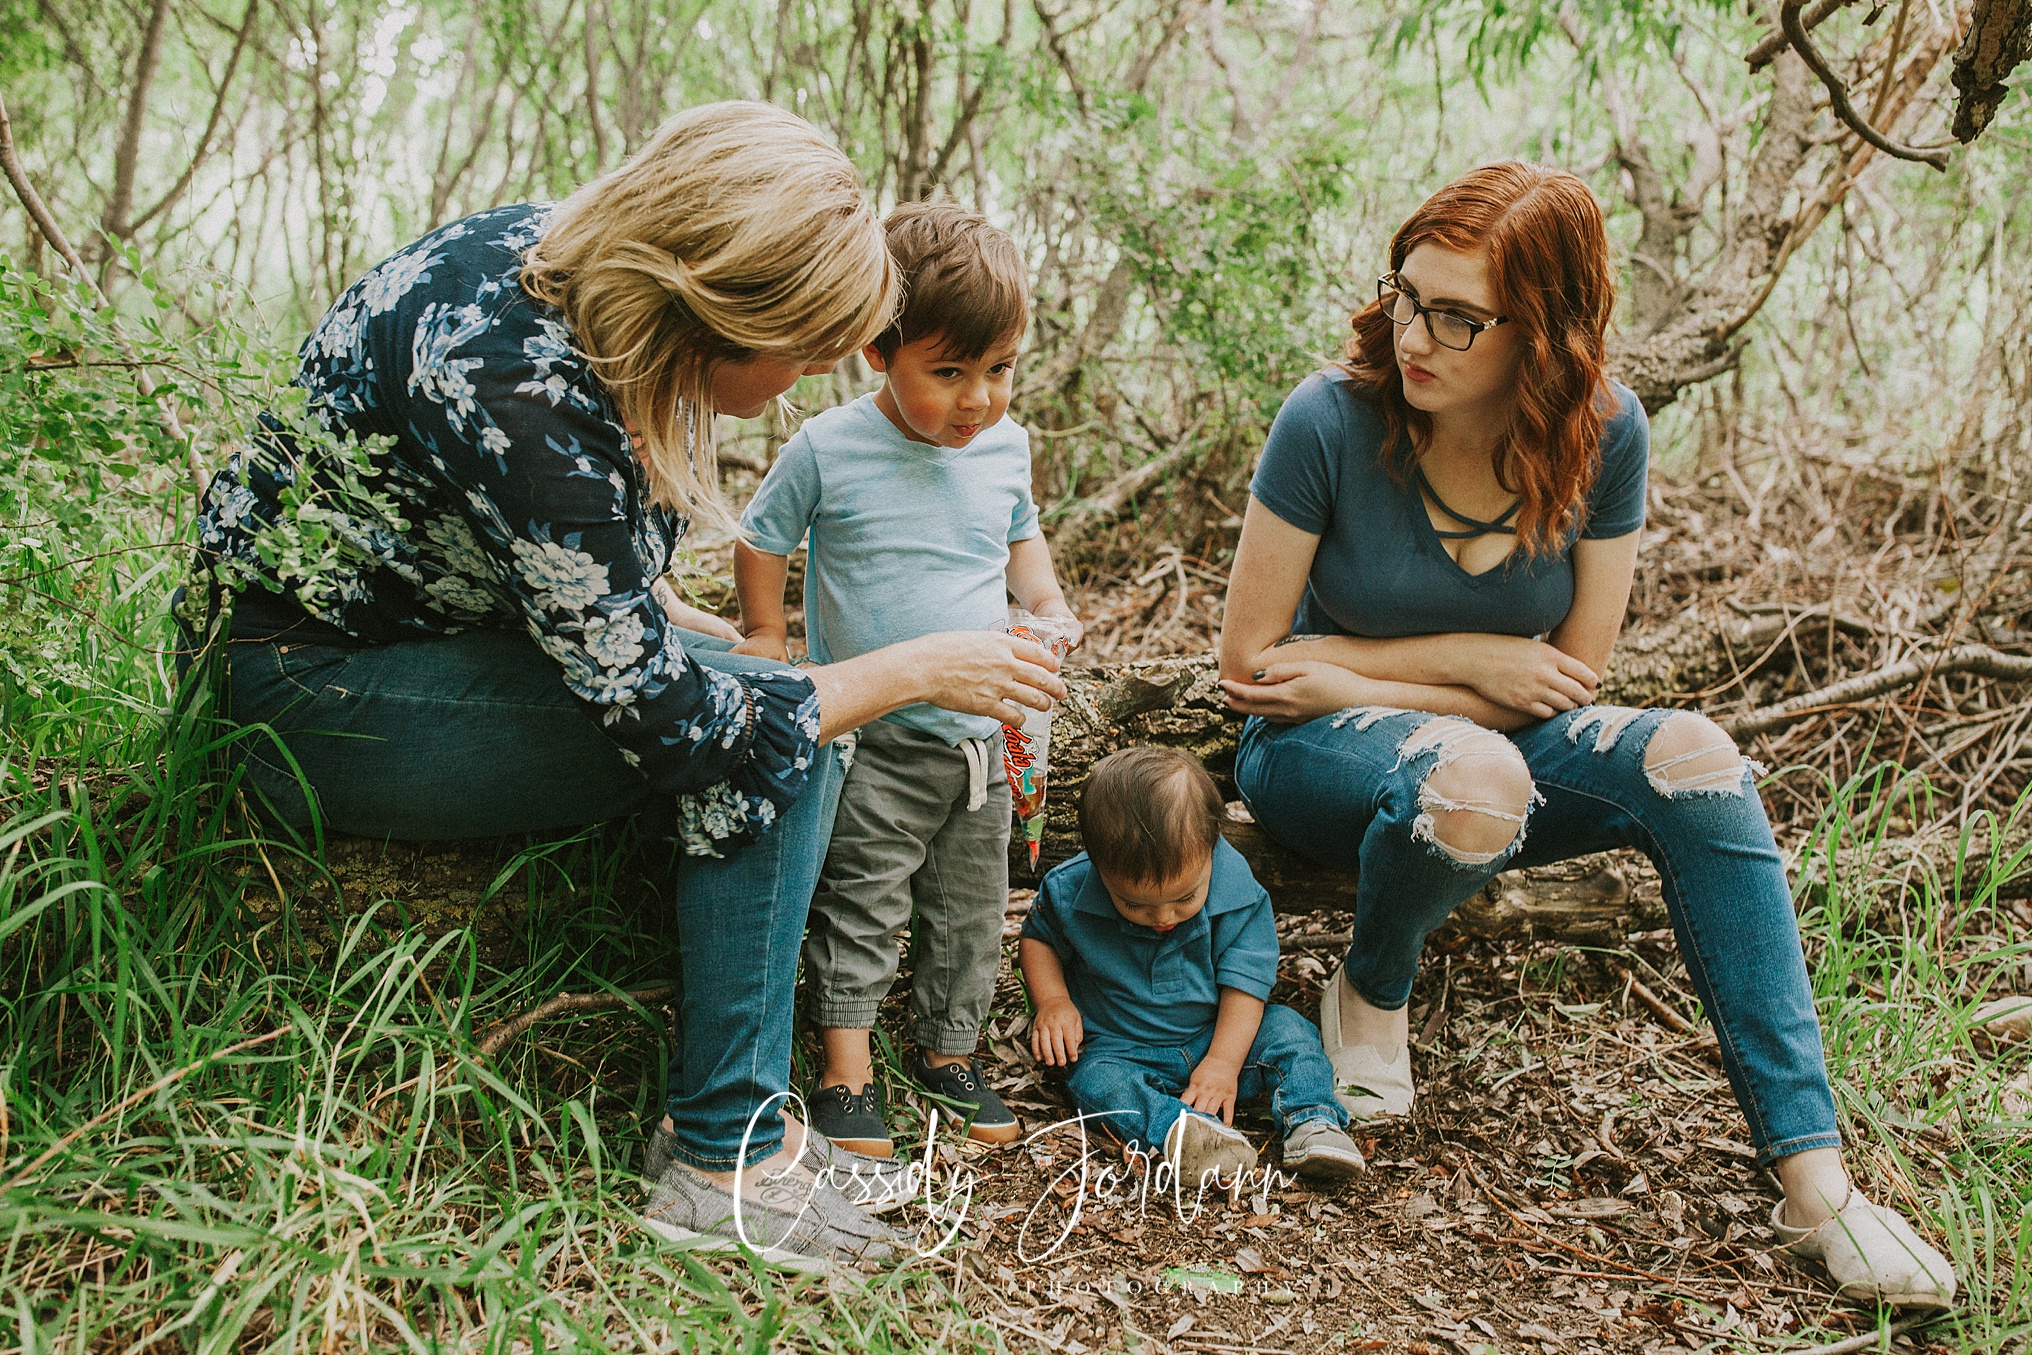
x=203, y=148
x=1838, y=94
x=1978, y=659
x=127, y=153
x=1762, y=54
x=500, y=1035
x=1139, y=73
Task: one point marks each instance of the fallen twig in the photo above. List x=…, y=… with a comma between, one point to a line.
x=1978, y=659
x=502, y=1033
x=1581, y=1252
x=1657, y=1005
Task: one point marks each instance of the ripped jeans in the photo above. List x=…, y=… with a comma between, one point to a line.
x=1430, y=808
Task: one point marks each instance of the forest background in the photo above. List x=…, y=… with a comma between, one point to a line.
x=245, y=1106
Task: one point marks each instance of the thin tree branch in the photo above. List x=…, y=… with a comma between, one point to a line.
x=1838, y=94
x=500, y=1035
x=127, y=153
x=204, y=143
x=1765, y=52
x=1978, y=659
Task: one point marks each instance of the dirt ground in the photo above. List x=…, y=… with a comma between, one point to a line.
x=1575, y=1178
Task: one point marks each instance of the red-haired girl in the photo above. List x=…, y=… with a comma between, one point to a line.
x=1434, y=566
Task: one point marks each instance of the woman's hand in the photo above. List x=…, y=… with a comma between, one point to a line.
x=984, y=672
x=1527, y=676
x=1292, y=693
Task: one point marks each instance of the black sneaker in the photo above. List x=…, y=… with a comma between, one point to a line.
x=967, y=1092
x=852, y=1119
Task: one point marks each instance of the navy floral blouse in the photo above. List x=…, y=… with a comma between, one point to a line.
x=502, y=492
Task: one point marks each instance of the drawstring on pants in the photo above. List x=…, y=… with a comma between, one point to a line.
x=977, y=772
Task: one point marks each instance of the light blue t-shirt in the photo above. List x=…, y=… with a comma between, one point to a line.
x=906, y=539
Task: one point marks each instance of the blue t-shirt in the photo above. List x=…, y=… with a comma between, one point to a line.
x=1382, y=571
x=1147, y=987
x=906, y=539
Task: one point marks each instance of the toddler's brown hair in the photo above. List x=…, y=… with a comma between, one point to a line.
x=963, y=279
x=1148, y=814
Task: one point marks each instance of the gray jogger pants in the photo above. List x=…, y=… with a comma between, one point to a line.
x=905, y=842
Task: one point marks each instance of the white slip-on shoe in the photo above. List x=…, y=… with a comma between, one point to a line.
x=1370, y=1082
x=877, y=1184
x=1203, y=1152
x=1872, y=1255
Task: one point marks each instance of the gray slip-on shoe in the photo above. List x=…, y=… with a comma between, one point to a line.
x=1317, y=1151
x=795, y=1222
x=878, y=1184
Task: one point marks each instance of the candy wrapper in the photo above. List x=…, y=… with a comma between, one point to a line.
x=1027, y=751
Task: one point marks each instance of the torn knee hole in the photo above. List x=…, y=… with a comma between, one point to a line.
x=1691, y=754
x=1474, y=800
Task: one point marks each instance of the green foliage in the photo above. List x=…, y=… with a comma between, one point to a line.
x=82, y=462
x=1227, y=249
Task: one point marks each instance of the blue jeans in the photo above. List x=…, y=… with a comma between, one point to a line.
x=1133, y=1088
x=474, y=735
x=1349, y=791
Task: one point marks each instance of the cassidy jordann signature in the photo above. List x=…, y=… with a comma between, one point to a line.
x=947, y=1195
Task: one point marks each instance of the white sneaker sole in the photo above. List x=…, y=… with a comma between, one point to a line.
x=1326, y=1166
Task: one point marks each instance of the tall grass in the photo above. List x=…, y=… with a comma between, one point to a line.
x=226, y=1124
x=230, y=1120
x=1903, y=946
x=232, y=1125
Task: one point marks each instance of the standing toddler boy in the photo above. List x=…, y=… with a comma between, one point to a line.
x=1149, y=958
x=917, y=503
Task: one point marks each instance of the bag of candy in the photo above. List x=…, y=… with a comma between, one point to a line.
x=1026, y=753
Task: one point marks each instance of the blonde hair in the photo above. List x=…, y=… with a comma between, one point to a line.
x=737, y=231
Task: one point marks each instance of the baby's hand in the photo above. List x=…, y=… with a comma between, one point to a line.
x=1212, y=1090
x=1056, y=1033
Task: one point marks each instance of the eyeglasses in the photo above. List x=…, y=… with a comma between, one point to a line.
x=1449, y=329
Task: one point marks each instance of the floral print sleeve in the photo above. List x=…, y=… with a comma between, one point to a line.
x=510, y=497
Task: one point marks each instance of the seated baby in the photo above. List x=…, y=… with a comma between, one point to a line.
x=1149, y=958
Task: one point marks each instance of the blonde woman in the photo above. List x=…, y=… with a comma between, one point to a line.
x=484, y=644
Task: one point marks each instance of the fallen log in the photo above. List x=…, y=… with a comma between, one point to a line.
x=1177, y=702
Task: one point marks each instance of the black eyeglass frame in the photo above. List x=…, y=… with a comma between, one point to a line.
x=1387, y=283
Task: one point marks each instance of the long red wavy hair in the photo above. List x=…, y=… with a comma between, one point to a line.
x=1549, y=264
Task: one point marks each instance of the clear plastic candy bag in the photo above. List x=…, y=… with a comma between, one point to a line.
x=1026, y=755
